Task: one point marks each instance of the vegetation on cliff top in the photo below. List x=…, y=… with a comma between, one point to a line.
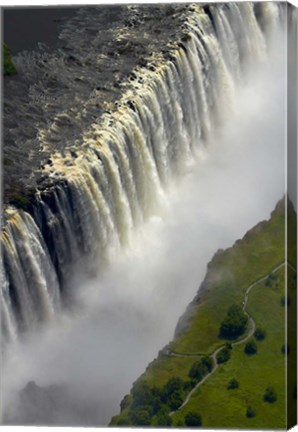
x=8, y=66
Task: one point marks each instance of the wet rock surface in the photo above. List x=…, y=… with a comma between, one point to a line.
x=62, y=88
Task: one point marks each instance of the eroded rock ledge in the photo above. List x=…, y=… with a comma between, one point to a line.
x=60, y=91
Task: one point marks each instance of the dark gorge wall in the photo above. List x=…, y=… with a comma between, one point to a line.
x=106, y=173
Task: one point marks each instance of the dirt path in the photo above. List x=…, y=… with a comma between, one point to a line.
x=252, y=327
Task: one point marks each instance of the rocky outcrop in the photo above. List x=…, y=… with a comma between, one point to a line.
x=61, y=90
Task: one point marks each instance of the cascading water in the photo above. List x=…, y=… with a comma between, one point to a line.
x=105, y=189
x=128, y=158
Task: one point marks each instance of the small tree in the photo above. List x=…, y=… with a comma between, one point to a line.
x=176, y=399
x=123, y=421
x=155, y=404
x=163, y=419
x=251, y=348
x=208, y=362
x=173, y=393
x=188, y=385
x=270, y=395
x=197, y=371
x=140, y=417
x=8, y=66
x=141, y=394
x=233, y=384
x=285, y=349
x=234, y=324
x=223, y=355
x=250, y=412
x=200, y=368
x=260, y=334
x=270, y=280
x=193, y=419
x=172, y=385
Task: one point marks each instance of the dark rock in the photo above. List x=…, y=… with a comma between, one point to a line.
x=87, y=66
x=131, y=105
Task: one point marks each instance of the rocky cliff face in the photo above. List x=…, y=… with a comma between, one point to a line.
x=61, y=89
x=97, y=127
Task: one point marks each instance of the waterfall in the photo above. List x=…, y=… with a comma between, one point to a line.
x=119, y=174
x=31, y=291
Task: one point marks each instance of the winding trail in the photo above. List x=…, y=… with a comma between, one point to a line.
x=252, y=327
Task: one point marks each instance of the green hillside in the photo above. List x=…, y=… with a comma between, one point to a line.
x=216, y=372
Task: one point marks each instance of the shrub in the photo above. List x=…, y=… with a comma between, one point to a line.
x=234, y=324
x=201, y=368
x=285, y=349
x=197, y=371
x=173, y=393
x=123, y=421
x=233, y=384
x=250, y=412
x=193, y=419
x=208, y=362
x=270, y=280
x=145, y=397
x=188, y=385
x=126, y=401
x=251, y=348
x=171, y=386
x=176, y=399
x=141, y=394
x=140, y=417
x=270, y=395
x=223, y=355
x=260, y=334
x=155, y=404
x=163, y=420
x=8, y=66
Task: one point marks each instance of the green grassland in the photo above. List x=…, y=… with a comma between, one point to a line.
x=229, y=275
x=220, y=407
x=291, y=234
x=292, y=343
x=292, y=316
x=160, y=371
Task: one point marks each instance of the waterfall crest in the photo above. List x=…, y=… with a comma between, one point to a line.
x=119, y=175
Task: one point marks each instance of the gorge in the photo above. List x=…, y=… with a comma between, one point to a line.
x=138, y=186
